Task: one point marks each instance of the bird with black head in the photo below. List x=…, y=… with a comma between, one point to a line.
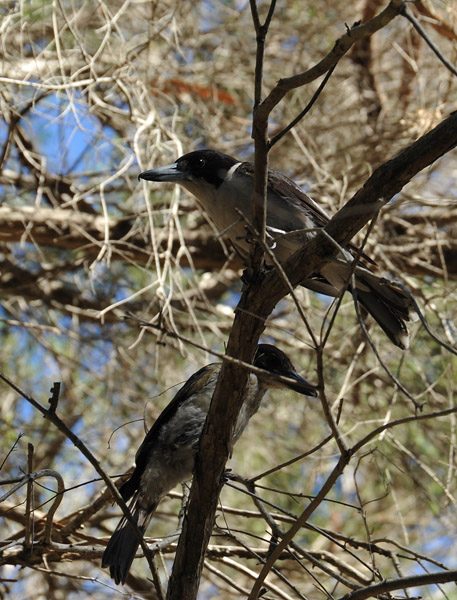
x=166, y=456
x=223, y=187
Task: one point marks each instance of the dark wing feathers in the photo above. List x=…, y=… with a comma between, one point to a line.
x=287, y=188
x=128, y=488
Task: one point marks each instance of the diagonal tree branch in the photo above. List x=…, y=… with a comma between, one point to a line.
x=341, y=47
x=383, y=587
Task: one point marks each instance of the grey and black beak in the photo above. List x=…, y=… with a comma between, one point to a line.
x=298, y=384
x=170, y=173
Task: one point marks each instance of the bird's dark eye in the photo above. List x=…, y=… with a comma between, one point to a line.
x=201, y=163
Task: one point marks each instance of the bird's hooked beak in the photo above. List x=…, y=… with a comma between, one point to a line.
x=287, y=379
x=296, y=383
x=168, y=173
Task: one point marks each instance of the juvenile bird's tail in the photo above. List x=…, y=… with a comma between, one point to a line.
x=121, y=549
x=387, y=303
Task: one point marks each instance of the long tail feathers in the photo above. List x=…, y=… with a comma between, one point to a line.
x=389, y=305
x=385, y=301
x=121, y=549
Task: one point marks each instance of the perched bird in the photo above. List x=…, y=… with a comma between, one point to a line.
x=223, y=187
x=166, y=456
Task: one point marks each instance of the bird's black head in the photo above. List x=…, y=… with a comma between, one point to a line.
x=276, y=363
x=207, y=165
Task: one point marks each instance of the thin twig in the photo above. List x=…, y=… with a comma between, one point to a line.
x=16, y=441
x=375, y=590
x=305, y=111
x=325, y=403
x=434, y=415
x=261, y=33
x=29, y=498
x=350, y=283
x=293, y=460
x=421, y=31
x=424, y=321
x=54, y=399
x=396, y=381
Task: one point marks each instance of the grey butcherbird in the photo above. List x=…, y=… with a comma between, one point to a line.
x=166, y=456
x=223, y=187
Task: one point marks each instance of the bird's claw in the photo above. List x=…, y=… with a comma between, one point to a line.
x=227, y=475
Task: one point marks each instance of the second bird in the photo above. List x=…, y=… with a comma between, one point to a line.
x=166, y=456
x=223, y=187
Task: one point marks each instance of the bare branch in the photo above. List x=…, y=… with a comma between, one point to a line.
x=401, y=583
x=421, y=31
